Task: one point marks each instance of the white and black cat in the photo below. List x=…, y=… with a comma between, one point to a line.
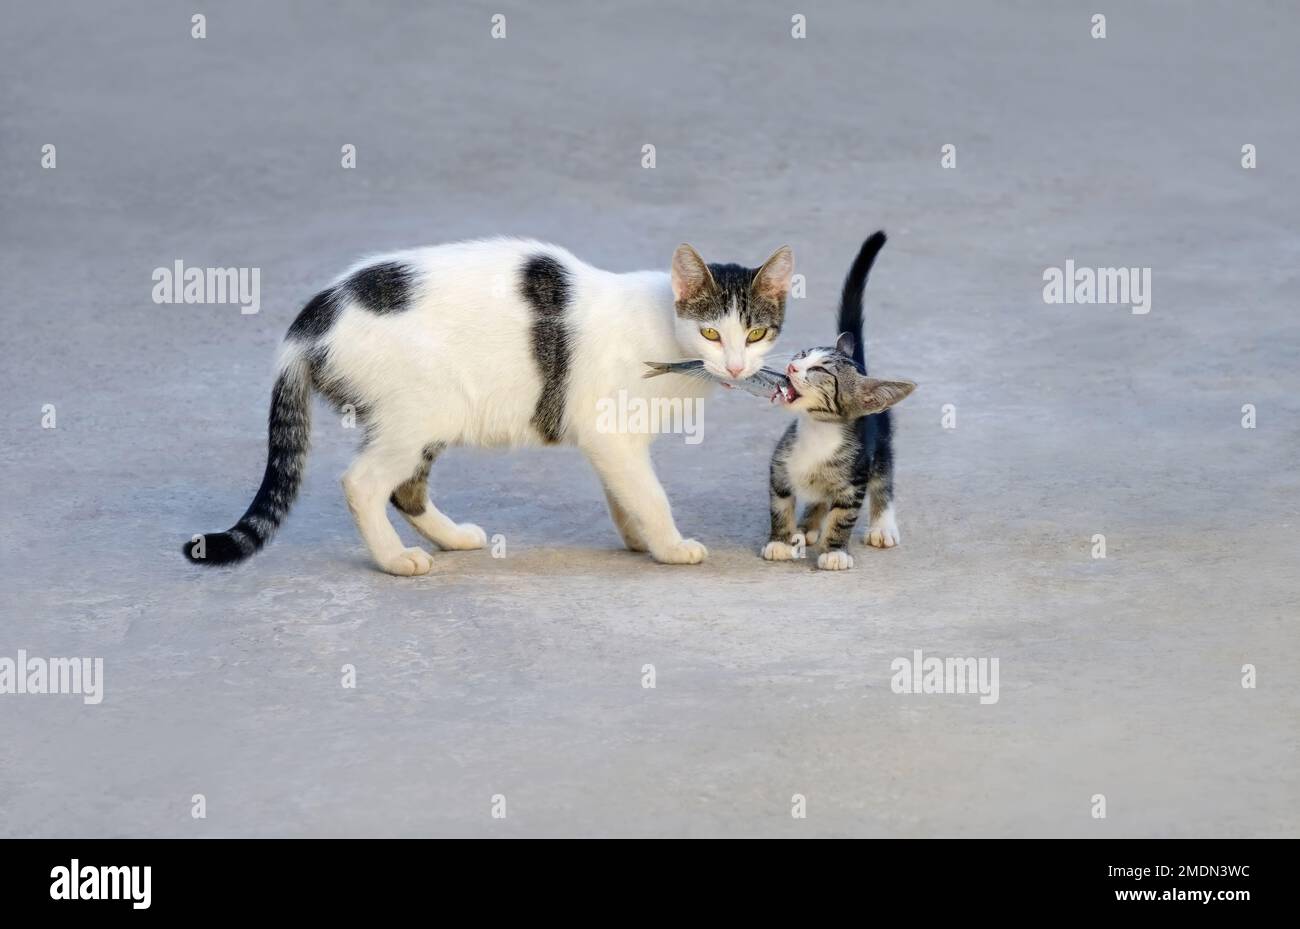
x=839, y=451
x=499, y=343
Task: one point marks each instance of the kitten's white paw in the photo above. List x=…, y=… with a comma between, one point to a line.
x=884, y=534
x=468, y=536
x=838, y=560
x=778, y=551
x=687, y=551
x=409, y=562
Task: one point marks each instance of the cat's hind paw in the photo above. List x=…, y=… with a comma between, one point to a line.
x=466, y=537
x=409, y=562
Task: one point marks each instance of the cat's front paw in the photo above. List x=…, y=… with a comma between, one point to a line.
x=779, y=551
x=838, y=560
x=687, y=551
x=409, y=562
x=466, y=537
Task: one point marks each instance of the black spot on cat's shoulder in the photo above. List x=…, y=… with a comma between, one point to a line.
x=382, y=288
x=316, y=317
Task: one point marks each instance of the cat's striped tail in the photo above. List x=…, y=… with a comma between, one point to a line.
x=288, y=435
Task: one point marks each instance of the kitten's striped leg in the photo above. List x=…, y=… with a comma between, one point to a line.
x=779, y=547
x=412, y=500
x=840, y=519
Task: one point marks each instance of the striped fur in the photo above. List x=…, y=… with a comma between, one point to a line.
x=838, y=454
x=288, y=438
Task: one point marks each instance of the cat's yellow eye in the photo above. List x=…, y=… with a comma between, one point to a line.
x=711, y=334
x=756, y=334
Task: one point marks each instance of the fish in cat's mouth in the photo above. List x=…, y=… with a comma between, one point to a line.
x=787, y=392
x=764, y=382
x=781, y=393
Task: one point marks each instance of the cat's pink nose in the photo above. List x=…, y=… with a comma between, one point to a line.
x=789, y=369
x=734, y=370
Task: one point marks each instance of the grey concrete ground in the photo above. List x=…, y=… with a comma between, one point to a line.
x=522, y=676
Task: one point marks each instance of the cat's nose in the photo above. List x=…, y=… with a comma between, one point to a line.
x=790, y=368
x=734, y=370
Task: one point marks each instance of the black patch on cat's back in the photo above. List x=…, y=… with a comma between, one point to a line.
x=544, y=283
x=382, y=288
x=316, y=317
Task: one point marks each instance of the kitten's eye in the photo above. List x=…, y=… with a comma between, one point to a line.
x=755, y=335
x=711, y=334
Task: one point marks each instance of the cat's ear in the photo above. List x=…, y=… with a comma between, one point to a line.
x=773, y=279
x=691, y=276
x=845, y=344
x=872, y=395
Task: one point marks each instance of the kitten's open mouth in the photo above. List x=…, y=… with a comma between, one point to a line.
x=785, y=394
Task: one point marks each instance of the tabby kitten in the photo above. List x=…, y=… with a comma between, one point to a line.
x=838, y=451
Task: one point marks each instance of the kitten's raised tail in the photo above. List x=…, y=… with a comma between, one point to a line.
x=288, y=435
x=855, y=284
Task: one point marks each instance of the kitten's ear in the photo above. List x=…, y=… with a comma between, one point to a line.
x=873, y=396
x=691, y=276
x=845, y=344
x=773, y=279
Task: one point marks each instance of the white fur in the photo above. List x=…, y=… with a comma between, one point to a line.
x=839, y=560
x=779, y=551
x=814, y=443
x=731, y=357
x=884, y=529
x=457, y=367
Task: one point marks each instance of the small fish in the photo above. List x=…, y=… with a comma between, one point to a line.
x=772, y=385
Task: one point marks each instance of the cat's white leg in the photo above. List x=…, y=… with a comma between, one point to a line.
x=368, y=484
x=624, y=466
x=412, y=500
x=445, y=532
x=785, y=542
x=625, y=524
